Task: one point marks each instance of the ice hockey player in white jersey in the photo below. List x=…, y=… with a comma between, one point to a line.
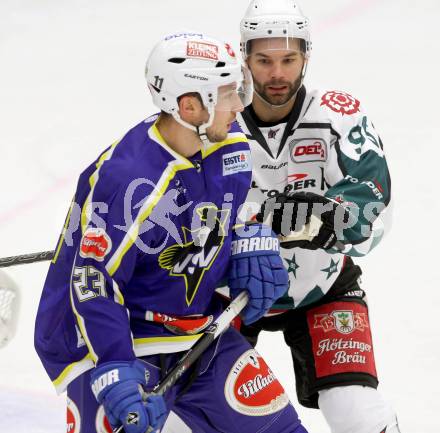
x=317, y=159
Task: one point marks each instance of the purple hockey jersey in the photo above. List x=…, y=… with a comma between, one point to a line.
x=148, y=232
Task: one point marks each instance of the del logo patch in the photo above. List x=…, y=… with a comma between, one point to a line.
x=252, y=389
x=236, y=162
x=308, y=150
x=101, y=422
x=73, y=418
x=95, y=244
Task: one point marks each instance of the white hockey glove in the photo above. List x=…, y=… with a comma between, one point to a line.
x=317, y=218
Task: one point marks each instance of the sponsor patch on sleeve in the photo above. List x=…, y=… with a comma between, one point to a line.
x=236, y=162
x=95, y=244
x=340, y=102
x=252, y=389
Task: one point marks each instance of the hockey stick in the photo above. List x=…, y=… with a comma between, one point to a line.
x=213, y=331
x=307, y=233
x=26, y=258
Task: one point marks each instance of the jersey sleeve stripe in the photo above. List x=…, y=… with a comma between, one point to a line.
x=142, y=347
x=170, y=344
x=71, y=372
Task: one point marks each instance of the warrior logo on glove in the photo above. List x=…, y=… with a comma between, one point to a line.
x=256, y=266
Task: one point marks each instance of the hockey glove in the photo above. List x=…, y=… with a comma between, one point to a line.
x=291, y=212
x=118, y=387
x=256, y=266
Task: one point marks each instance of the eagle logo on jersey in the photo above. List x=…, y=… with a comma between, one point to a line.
x=193, y=258
x=340, y=102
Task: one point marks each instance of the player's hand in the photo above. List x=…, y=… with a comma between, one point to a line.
x=256, y=266
x=291, y=212
x=118, y=387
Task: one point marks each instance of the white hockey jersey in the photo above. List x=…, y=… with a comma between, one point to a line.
x=329, y=146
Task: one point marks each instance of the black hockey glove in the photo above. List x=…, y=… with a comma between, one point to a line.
x=293, y=212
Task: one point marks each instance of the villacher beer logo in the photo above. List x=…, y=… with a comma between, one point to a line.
x=73, y=417
x=252, y=389
x=102, y=424
x=95, y=244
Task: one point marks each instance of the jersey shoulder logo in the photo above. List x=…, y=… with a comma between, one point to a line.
x=340, y=102
x=199, y=250
x=95, y=244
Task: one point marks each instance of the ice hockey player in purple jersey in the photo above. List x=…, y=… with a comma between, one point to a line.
x=147, y=239
x=317, y=159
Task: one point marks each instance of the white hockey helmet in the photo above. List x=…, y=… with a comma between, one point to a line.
x=191, y=62
x=267, y=19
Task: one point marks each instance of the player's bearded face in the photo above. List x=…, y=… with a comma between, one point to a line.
x=276, y=68
x=277, y=92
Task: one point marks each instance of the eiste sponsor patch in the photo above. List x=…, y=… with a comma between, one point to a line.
x=95, y=244
x=73, y=418
x=252, y=389
x=102, y=424
x=202, y=50
x=308, y=150
x=236, y=162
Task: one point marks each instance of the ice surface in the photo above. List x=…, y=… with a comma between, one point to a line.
x=71, y=83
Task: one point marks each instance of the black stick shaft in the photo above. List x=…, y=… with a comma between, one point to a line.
x=26, y=258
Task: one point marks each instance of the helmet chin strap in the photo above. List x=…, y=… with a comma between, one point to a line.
x=199, y=130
